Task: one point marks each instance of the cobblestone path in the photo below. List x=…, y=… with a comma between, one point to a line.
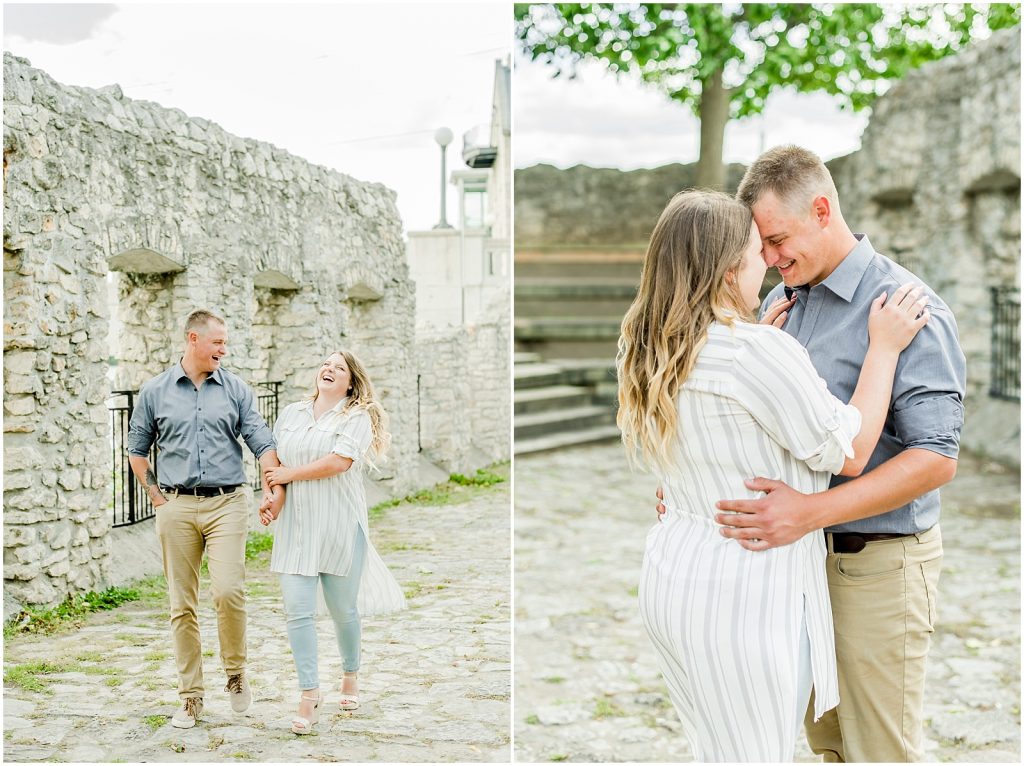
x=434, y=686
x=587, y=687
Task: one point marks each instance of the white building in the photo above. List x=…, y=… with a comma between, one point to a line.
x=460, y=271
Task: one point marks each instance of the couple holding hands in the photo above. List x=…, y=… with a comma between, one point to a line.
x=312, y=465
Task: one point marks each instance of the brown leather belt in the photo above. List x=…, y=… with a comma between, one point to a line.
x=855, y=542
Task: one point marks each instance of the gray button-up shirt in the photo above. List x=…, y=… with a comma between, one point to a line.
x=196, y=430
x=926, y=410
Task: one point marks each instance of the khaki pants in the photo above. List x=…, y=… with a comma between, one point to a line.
x=185, y=526
x=883, y=605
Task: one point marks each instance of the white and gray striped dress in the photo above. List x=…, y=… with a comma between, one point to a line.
x=316, y=531
x=726, y=622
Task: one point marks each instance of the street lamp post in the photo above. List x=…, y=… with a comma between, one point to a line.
x=443, y=136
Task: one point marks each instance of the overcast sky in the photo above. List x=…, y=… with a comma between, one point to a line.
x=604, y=121
x=360, y=87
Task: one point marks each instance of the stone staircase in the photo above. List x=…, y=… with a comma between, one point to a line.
x=559, y=404
x=570, y=305
x=568, y=311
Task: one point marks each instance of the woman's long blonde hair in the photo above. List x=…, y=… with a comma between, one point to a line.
x=699, y=238
x=361, y=394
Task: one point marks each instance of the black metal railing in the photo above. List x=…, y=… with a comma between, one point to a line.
x=130, y=503
x=267, y=404
x=1005, y=379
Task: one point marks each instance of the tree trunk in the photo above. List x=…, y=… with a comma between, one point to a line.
x=714, y=114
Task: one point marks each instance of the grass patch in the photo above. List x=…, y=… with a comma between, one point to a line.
x=413, y=589
x=31, y=676
x=457, y=489
x=98, y=670
x=532, y=719
x=69, y=612
x=158, y=656
x=559, y=758
x=606, y=709
x=482, y=478
x=554, y=679
x=258, y=544
x=398, y=547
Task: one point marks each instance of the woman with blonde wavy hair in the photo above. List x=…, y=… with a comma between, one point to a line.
x=708, y=398
x=322, y=534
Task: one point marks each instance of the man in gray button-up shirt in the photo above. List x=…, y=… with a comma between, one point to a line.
x=195, y=412
x=884, y=546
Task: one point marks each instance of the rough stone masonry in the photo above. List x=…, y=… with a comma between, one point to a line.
x=936, y=184
x=300, y=259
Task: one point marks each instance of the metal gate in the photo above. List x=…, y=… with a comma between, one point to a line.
x=129, y=502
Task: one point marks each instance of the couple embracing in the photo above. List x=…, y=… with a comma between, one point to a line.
x=312, y=467
x=759, y=619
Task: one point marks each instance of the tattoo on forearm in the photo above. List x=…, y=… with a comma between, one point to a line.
x=150, y=478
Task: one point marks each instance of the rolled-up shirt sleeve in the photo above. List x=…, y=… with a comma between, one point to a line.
x=354, y=435
x=928, y=396
x=253, y=428
x=142, y=426
x=776, y=382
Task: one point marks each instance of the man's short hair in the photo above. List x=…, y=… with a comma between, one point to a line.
x=793, y=174
x=199, y=319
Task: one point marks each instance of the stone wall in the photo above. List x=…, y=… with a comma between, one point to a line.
x=464, y=391
x=301, y=260
x=936, y=185
x=595, y=208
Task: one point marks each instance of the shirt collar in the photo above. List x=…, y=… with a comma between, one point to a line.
x=846, y=277
x=336, y=408
x=180, y=369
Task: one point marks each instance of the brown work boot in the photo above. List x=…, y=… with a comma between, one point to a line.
x=191, y=709
x=241, y=694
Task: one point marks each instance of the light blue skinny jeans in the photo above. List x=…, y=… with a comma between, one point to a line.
x=340, y=593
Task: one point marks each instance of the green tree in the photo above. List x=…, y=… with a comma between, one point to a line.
x=723, y=61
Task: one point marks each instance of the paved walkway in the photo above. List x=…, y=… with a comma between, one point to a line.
x=587, y=687
x=435, y=680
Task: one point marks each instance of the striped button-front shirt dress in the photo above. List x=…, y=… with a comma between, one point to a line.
x=727, y=623
x=316, y=531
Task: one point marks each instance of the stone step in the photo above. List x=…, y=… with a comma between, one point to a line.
x=566, y=328
x=536, y=424
x=586, y=371
x=582, y=289
x=582, y=266
x=547, y=398
x=525, y=357
x=595, y=308
x=566, y=371
x=565, y=439
x=536, y=375
x=568, y=349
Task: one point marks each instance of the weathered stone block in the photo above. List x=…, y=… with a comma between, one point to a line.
x=29, y=506
x=19, y=535
x=18, y=480
x=22, y=458
x=97, y=527
x=58, y=535
x=70, y=479
x=80, y=501
x=23, y=384
x=19, y=363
